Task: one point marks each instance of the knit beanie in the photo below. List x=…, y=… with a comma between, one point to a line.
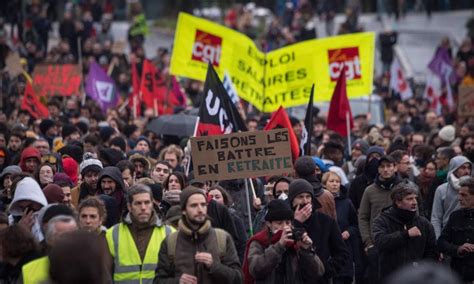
x=105, y=133
x=173, y=214
x=57, y=210
x=375, y=149
x=361, y=145
x=143, y=138
x=45, y=125
x=299, y=186
x=305, y=166
x=187, y=192
x=90, y=163
x=62, y=179
x=53, y=193
x=73, y=151
x=278, y=210
x=119, y=142
x=447, y=133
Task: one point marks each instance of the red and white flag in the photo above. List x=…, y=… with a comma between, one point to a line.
x=398, y=81
x=433, y=92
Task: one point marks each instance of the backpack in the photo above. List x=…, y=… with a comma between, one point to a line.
x=221, y=236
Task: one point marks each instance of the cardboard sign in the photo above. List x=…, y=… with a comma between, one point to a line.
x=241, y=155
x=13, y=65
x=57, y=80
x=466, y=101
x=280, y=77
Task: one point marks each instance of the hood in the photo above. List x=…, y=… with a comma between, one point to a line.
x=456, y=163
x=113, y=173
x=29, y=152
x=316, y=184
x=27, y=189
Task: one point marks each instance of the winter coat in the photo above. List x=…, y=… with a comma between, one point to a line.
x=394, y=245
x=224, y=269
x=347, y=221
x=329, y=246
x=376, y=197
x=240, y=230
x=459, y=230
x=446, y=196
x=357, y=189
x=270, y=262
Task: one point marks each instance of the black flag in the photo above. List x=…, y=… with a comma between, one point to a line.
x=305, y=144
x=217, y=114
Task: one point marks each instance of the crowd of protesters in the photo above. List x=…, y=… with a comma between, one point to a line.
x=88, y=197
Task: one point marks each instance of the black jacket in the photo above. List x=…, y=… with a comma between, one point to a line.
x=395, y=247
x=327, y=240
x=459, y=230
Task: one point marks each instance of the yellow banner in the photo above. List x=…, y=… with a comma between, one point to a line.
x=280, y=77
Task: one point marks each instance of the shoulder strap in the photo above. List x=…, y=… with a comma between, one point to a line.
x=171, y=245
x=221, y=236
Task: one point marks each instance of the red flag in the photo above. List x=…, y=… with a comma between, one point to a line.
x=32, y=104
x=280, y=119
x=148, y=84
x=339, y=107
x=134, y=100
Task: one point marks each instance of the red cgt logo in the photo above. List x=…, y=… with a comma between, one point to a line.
x=350, y=57
x=207, y=48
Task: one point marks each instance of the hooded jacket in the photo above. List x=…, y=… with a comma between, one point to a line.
x=324, y=197
x=27, y=189
x=119, y=193
x=446, y=196
x=29, y=152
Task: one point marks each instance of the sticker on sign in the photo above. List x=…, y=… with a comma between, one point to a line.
x=351, y=60
x=207, y=48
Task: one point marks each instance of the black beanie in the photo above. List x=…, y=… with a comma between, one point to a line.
x=56, y=210
x=187, y=192
x=105, y=133
x=119, y=142
x=157, y=191
x=278, y=210
x=299, y=186
x=305, y=166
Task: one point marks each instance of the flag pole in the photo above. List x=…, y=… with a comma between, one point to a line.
x=348, y=126
x=248, y=207
x=135, y=115
x=191, y=157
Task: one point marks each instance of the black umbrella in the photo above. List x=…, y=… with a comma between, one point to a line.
x=174, y=124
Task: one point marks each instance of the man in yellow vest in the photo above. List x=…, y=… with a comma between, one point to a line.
x=37, y=271
x=135, y=242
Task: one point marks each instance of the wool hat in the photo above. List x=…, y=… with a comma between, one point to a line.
x=361, y=145
x=299, y=186
x=73, y=151
x=143, y=138
x=53, y=193
x=68, y=129
x=10, y=170
x=320, y=164
x=447, y=133
x=278, y=210
x=62, y=179
x=45, y=125
x=173, y=214
x=305, y=166
x=187, y=192
x=375, y=149
x=89, y=163
x=57, y=210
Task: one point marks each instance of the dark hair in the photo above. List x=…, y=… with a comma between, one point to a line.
x=181, y=180
x=469, y=183
x=92, y=139
x=37, y=173
x=447, y=152
x=93, y=202
x=138, y=189
x=73, y=262
x=398, y=155
x=402, y=190
x=464, y=139
x=16, y=242
x=126, y=164
x=163, y=162
x=225, y=195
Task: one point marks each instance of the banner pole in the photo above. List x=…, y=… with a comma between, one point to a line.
x=348, y=125
x=248, y=207
x=253, y=188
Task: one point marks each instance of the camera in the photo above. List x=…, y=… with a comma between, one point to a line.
x=297, y=234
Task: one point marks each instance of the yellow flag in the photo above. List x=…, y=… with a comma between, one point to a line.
x=280, y=77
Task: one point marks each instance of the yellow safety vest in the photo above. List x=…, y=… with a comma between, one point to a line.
x=128, y=266
x=36, y=271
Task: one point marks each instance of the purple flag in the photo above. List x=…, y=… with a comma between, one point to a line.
x=442, y=65
x=101, y=88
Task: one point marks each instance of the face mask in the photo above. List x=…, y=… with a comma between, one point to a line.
x=283, y=196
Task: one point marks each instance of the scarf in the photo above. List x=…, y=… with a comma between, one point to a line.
x=405, y=216
x=424, y=183
x=386, y=184
x=454, y=181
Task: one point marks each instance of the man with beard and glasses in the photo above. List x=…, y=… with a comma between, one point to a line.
x=197, y=253
x=135, y=242
x=400, y=235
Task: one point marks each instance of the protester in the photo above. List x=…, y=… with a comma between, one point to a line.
x=400, y=235
x=456, y=237
x=201, y=260
x=92, y=214
x=161, y=171
x=271, y=254
x=111, y=183
x=136, y=241
x=89, y=170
